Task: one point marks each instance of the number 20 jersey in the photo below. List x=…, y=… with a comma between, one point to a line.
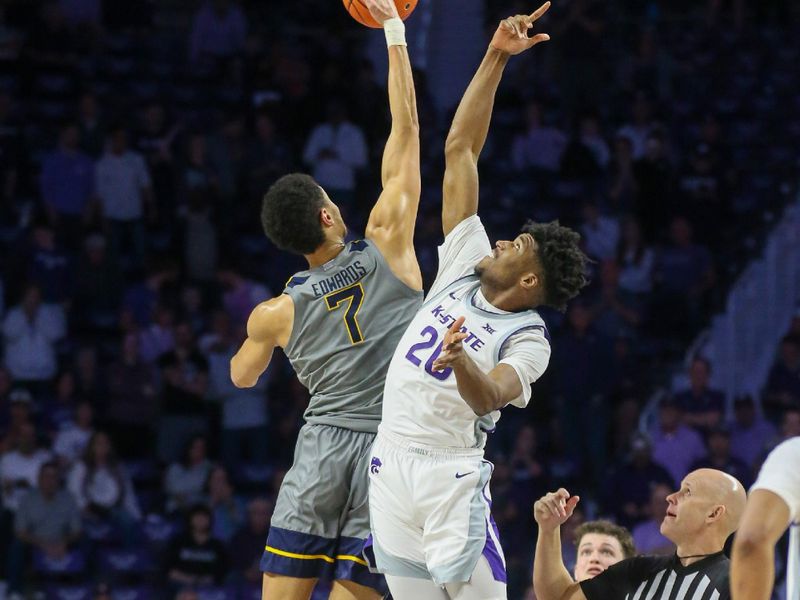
x=348, y=317
x=423, y=405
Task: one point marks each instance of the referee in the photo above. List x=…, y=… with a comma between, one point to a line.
x=700, y=516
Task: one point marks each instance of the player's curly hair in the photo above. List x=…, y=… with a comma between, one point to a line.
x=607, y=528
x=563, y=261
x=290, y=213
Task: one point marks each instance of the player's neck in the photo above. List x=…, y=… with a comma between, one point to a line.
x=329, y=250
x=508, y=299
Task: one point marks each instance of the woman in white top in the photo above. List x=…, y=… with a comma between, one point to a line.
x=185, y=480
x=102, y=488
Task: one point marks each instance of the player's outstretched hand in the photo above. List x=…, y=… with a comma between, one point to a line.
x=553, y=509
x=381, y=10
x=452, y=348
x=511, y=36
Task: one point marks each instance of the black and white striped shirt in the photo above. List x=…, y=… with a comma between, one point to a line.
x=662, y=578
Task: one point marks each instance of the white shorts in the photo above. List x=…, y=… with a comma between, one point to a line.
x=430, y=512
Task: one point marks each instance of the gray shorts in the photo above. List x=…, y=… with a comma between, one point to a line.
x=321, y=518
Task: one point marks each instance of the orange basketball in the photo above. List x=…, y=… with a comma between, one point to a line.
x=361, y=14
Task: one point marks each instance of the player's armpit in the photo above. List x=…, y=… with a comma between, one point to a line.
x=270, y=324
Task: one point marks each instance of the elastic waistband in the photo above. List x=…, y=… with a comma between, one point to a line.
x=410, y=447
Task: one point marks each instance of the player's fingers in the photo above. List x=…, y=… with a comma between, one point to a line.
x=540, y=11
x=456, y=326
x=571, y=504
x=537, y=39
x=506, y=24
x=562, y=493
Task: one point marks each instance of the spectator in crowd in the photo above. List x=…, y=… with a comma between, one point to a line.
x=155, y=141
x=48, y=521
x=184, y=410
x=19, y=467
x=635, y=258
x=98, y=288
x=600, y=544
x=335, y=151
x=675, y=445
x=30, y=332
x=91, y=127
x=200, y=244
x=600, y=232
x=783, y=384
x=529, y=473
x=720, y=458
x=185, y=480
x=247, y=545
x=629, y=486
x=218, y=31
x=240, y=295
x=196, y=558
x=142, y=297
x=158, y=338
x=226, y=508
x=701, y=190
x=647, y=535
x=67, y=185
x=122, y=184
x=71, y=441
x=702, y=405
x=245, y=419
x=102, y=488
x=623, y=188
x=540, y=147
x=268, y=157
x=615, y=312
x=591, y=137
x=132, y=401
x=655, y=184
x=638, y=129
x=60, y=409
x=20, y=414
x=48, y=265
x=790, y=424
x=751, y=434
x=685, y=273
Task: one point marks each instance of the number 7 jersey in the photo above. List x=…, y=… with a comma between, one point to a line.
x=423, y=405
x=348, y=317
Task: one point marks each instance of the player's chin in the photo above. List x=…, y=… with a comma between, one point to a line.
x=484, y=263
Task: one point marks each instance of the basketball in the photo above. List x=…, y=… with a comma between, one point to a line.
x=361, y=14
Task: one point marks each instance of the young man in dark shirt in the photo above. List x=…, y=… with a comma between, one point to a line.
x=700, y=516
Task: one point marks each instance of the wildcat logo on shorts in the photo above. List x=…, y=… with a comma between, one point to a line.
x=375, y=465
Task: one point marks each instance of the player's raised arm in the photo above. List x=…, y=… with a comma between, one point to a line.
x=471, y=122
x=551, y=580
x=391, y=222
x=269, y=325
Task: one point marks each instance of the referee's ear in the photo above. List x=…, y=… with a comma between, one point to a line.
x=717, y=513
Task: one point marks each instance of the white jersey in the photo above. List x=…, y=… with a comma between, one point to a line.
x=780, y=474
x=422, y=405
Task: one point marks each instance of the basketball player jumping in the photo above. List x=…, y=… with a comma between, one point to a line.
x=338, y=323
x=475, y=346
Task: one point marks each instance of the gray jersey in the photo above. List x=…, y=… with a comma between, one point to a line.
x=349, y=315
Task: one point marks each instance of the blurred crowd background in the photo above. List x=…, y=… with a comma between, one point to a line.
x=136, y=141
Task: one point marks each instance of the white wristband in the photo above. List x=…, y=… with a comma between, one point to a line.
x=395, y=31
